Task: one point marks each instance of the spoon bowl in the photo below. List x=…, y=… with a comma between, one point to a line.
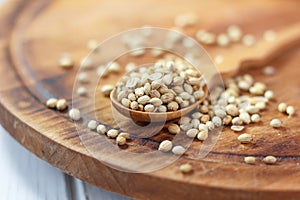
x=142, y=116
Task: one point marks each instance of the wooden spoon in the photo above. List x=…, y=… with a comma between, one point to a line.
x=153, y=116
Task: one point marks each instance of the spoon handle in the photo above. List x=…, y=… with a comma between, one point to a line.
x=263, y=52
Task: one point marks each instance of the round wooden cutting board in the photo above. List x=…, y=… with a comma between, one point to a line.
x=35, y=33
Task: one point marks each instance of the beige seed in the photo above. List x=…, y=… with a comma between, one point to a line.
x=199, y=94
x=237, y=121
x=165, y=146
x=174, y=128
x=130, y=67
x=114, y=67
x=202, y=127
x=92, y=125
x=234, y=33
x=178, y=80
x=112, y=133
x=186, y=19
x=125, y=135
x=143, y=99
x=269, y=94
x=255, y=118
x=227, y=120
x=204, y=119
x=276, y=123
x=139, y=91
x=223, y=40
x=269, y=70
x=131, y=96
x=260, y=105
x=74, y=114
x=192, y=133
x=290, y=110
x=149, y=108
x=173, y=106
x=92, y=44
x=106, y=89
x=134, y=105
x=162, y=108
x=269, y=35
x=61, y=104
x=178, y=150
x=121, y=140
x=210, y=125
x=282, y=107
x=126, y=102
x=66, y=62
x=186, y=168
x=83, y=77
x=270, y=160
x=237, y=128
x=51, y=103
x=245, y=138
x=155, y=101
x=82, y=91
x=248, y=40
x=245, y=117
x=252, y=109
x=232, y=110
x=250, y=160
x=202, y=135
x=167, y=98
x=101, y=129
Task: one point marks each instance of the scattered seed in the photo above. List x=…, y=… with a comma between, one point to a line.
x=51, y=103
x=186, y=19
x=269, y=70
x=114, y=67
x=61, y=104
x=66, y=62
x=269, y=35
x=178, y=150
x=282, y=107
x=248, y=40
x=125, y=135
x=92, y=125
x=121, y=140
x=165, y=146
x=149, y=108
x=276, y=123
x=269, y=160
x=237, y=121
x=174, y=128
x=101, y=129
x=290, y=110
x=237, y=128
x=250, y=160
x=255, y=118
x=245, y=138
x=82, y=91
x=106, y=90
x=92, y=44
x=269, y=94
x=234, y=33
x=202, y=135
x=232, y=110
x=74, y=114
x=245, y=117
x=192, y=133
x=112, y=133
x=186, y=168
x=223, y=40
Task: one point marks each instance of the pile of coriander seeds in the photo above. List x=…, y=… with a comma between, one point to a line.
x=167, y=85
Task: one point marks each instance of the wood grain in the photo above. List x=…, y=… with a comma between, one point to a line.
x=37, y=33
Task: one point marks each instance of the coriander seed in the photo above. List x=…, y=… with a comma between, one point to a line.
x=51, y=103
x=101, y=129
x=202, y=135
x=112, y=133
x=174, y=128
x=282, y=107
x=74, y=114
x=61, y=104
x=250, y=160
x=276, y=123
x=192, y=133
x=185, y=168
x=106, y=89
x=92, y=125
x=245, y=138
x=165, y=146
x=290, y=110
x=269, y=160
x=121, y=140
x=178, y=150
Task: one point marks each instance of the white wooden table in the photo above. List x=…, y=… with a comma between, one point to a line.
x=23, y=176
